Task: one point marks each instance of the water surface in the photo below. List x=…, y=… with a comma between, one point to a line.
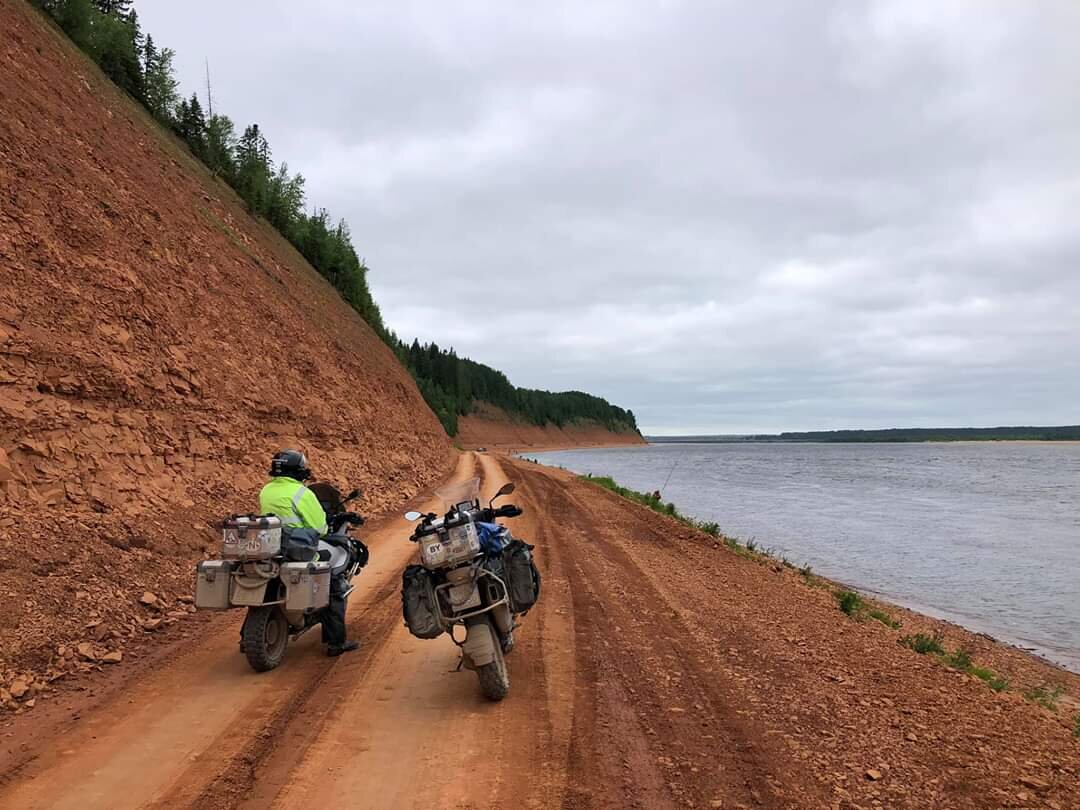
x=983, y=534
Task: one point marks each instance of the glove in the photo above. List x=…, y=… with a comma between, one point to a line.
x=354, y=519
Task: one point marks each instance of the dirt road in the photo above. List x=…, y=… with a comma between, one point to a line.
x=656, y=671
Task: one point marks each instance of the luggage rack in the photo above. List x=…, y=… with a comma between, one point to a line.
x=456, y=617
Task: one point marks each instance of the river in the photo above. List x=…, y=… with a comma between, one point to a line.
x=983, y=534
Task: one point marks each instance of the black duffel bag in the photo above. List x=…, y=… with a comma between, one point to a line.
x=300, y=545
x=522, y=575
x=418, y=603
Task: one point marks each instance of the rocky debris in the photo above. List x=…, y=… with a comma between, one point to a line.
x=114, y=657
x=140, y=388
x=797, y=688
x=1033, y=783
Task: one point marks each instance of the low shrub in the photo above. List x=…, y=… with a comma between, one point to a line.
x=924, y=644
x=1045, y=696
x=850, y=602
x=1076, y=726
x=885, y=619
x=710, y=528
x=958, y=659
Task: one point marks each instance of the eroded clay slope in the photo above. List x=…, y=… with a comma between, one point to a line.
x=493, y=428
x=157, y=345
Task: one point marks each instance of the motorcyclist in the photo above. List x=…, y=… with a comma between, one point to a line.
x=286, y=496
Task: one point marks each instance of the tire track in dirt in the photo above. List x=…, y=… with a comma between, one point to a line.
x=689, y=736
x=195, y=733
x=417, y=733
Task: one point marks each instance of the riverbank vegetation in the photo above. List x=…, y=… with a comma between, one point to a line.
x=1062, y=433
x=110, y=34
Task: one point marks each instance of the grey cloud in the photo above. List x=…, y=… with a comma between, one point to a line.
x=729, y=217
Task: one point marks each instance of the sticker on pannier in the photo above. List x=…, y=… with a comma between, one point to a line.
x=522, y=575
x=418, y=603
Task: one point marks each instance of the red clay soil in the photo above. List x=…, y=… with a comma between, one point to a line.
x=493, y=429
x=157, y=345
x=659, y=669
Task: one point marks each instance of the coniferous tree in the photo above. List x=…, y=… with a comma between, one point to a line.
x=120, y=9
x=159, y=83
x=253, y=169
x=191, y=125
x=221, y=147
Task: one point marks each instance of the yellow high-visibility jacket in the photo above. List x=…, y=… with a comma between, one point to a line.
x=294, y=503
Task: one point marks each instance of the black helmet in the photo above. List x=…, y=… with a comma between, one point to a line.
x=290, y=463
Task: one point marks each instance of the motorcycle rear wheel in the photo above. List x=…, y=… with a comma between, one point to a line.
x=265, y=635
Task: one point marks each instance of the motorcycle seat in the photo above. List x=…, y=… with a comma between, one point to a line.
x=339, y=557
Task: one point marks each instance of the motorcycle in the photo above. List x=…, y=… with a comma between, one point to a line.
x=473, y=574
x=282, y=576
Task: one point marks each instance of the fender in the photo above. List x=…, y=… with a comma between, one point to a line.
x=479, y=646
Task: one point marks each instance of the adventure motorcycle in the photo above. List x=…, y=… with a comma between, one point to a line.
x=473, y=574
x=282, y=576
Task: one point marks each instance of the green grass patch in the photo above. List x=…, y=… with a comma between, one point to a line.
x=959, y=660
x=850, y=602
x=657, y=505
x=885, y=619
x=924, y=644
x=990, y=678
x=1045, y=696
x=1076, y=726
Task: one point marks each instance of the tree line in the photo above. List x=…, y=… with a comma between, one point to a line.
x=451, y=385
x=109, y=32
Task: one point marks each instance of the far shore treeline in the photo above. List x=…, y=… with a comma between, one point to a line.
x=109, y=32
x=995, y=434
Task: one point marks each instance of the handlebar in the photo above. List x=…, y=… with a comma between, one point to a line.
x=339, y=520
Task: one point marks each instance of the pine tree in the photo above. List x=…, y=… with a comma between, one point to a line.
x=159, y=83
x=221, y=147
x=253, y=169
x=120, y=9
x=191, y=125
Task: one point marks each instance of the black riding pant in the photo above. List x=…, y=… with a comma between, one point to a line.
x=333, y=615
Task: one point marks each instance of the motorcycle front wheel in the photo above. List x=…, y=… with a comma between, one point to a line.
x=494, y=677
x=266, y=635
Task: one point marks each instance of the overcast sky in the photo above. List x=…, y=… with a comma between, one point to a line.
x=729, y=217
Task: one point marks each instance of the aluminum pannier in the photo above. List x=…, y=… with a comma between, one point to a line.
x=251, y=537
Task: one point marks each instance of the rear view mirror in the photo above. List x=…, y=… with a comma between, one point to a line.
x=354, y=494
x=505, y=489
x=413, y=516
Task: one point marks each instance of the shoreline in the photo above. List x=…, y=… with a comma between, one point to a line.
x=977, y=632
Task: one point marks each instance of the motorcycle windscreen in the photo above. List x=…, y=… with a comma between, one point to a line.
x=464, y=492
x=329, y=497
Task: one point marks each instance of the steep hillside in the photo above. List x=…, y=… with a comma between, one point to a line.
x=491, y=427
x=157, y=345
